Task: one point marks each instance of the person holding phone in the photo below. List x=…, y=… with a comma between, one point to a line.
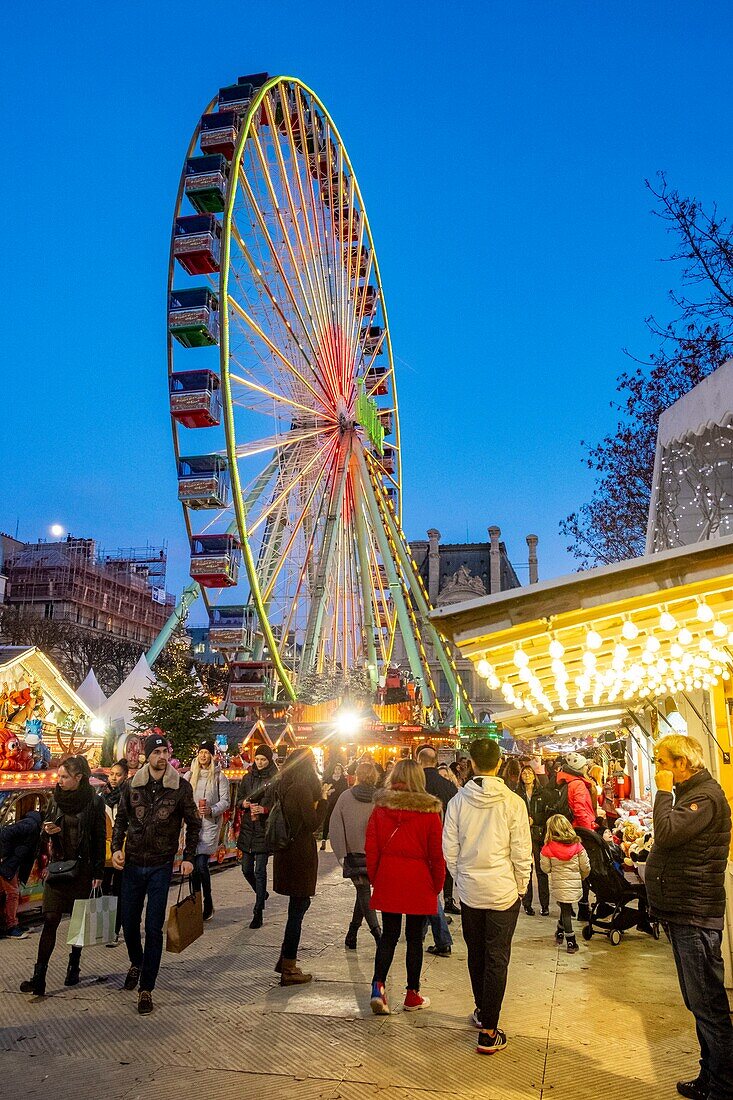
x=76, y=834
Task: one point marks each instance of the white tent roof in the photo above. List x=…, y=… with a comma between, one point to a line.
x=91, y=693
x=117, y=709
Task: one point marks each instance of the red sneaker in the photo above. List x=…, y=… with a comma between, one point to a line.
x=413, y=1001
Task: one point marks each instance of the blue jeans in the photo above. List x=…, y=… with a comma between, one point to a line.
x=700, y=971
x=439, y=927
x=254, y=869
x=139, y=883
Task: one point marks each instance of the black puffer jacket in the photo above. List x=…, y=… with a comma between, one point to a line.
x=257, y=786
x=19, y=846
x=540, y=805
x=149, y=822
x=685, y=871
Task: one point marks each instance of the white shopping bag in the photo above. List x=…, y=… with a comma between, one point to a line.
x=92, y=921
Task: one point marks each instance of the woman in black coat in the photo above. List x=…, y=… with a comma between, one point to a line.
x=540, y=805
x=338, y=783
x=304, y=801
x=75, y=827
x=256, y=795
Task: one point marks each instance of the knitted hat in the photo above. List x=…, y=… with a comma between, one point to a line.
x=575, y=762
x=154, y=741
x=264, y=750
x=207, y=743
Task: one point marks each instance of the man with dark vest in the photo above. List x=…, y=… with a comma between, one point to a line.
x=685, y=883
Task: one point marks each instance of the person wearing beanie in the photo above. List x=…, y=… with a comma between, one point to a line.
x=578, y=801
x=152, y=808
x=257, y=794
x=211, y=795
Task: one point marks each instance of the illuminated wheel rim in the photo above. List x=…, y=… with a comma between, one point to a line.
x=304, y=360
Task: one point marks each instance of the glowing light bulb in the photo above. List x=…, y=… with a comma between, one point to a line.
x=720, y=630
x=652, y=644
x=684, y=637
x=630, y=631
x=521, y=660
x=667, y=622
x=484, y=669
x=556, y=649
x=705, y=613
x=620, y=652
x=593, y=640
x=706, y=645
x=589, y=660
x=676, y=650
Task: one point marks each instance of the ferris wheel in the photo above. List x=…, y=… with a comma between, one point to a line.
x=283, y=399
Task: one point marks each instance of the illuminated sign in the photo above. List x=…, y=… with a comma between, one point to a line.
x=367, y=414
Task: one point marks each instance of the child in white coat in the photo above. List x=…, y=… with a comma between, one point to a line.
x=566, y=861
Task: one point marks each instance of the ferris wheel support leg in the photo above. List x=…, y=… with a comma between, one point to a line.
x=366, y=591
x=189, y=596
x=437, y=641
x=395, y=587
x=320, y=595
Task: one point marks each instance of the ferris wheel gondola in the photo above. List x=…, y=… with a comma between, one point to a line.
x=281, y=368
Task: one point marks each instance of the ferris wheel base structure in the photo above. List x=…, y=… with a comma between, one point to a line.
x=284, y=410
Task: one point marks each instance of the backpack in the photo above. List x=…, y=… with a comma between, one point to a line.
x=562, y=804
x=278, y=834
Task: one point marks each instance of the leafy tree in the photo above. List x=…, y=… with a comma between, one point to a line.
x=176, y=702
x=611, y=526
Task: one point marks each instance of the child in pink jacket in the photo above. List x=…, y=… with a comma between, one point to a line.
x=566, y=861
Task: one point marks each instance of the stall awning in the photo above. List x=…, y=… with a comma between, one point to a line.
x=604, y=640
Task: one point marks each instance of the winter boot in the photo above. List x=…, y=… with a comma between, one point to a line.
x=559, y=935
x=37, y=984
x=572, y=945
x=350, y=940
x=73, y=970
x=256, y=921
x=292, y=974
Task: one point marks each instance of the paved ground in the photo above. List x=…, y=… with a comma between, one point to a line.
x=606, y=1023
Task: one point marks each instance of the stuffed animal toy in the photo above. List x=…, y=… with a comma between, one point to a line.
x=14, y=756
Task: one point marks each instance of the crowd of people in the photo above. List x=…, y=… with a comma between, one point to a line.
x=420, y=841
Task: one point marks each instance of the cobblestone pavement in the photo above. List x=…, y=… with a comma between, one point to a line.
x=607, y=1022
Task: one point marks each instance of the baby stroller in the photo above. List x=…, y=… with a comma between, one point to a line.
x=613, y=911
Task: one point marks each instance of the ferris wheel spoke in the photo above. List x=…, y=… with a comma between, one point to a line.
x=313, y=262
x=258, y=276
x=286, y=280
x=319, y=455
x=325, y=564
x=297, y=525
x=313, y=302
x=276, y=442
x=277, y=352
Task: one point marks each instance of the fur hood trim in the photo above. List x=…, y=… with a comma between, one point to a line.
x=408, y=800
x=171, y=778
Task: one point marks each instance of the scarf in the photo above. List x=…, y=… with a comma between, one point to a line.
x=73, y=802
x=363, y=792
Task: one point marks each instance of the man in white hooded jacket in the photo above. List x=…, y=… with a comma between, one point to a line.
x=488, y=850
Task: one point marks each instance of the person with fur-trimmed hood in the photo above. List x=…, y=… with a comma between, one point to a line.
x=406, y=869
x=155, y=804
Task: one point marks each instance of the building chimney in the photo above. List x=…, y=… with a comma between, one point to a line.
x=532, y=541
x=433, y=566
x=495, y=560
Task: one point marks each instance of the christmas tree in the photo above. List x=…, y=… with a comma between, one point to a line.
x=176, y=702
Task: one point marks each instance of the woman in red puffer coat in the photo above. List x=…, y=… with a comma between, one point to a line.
x=406, y=869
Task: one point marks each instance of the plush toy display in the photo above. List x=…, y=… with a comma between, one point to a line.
x=14, y=755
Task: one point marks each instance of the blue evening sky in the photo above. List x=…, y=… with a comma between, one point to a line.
x=501, y=150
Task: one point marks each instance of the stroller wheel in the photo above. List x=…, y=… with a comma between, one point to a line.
x=614, y=937
x=586, y=932
x=655, y=930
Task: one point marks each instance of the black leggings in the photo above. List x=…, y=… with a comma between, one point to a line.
x=565, y=923
x=391, y=928
x=51, y=922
